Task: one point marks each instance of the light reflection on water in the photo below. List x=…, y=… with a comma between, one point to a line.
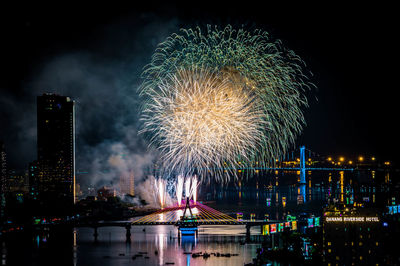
x=161, y=245
x=273, y=196
x=260, y=197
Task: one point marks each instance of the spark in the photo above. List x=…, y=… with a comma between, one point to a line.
x=179, y=189
x=160, y=186
x=220, y=100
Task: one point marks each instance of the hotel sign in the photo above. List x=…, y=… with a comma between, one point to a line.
x=352, y=219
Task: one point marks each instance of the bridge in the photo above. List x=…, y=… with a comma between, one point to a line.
x=289, y=156
x=203, y=215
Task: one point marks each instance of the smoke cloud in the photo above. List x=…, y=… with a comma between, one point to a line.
x=102, y=78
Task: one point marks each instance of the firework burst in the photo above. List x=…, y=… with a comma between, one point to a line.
x=222, y=99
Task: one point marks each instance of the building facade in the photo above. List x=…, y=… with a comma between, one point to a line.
x=53, y=174
x=127, y=184
x=3, y=177
x=352, y=236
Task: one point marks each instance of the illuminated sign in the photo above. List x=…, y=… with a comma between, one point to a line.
x=316, y=221
x=280, y=227
x=265, y=229
x=352, y=219
x=273, y=228
x=310, y=222
x=294, y=225
x=239, y=216
x=290, y=218
x=268, y=202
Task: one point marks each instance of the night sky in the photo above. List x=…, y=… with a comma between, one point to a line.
x=350, y=49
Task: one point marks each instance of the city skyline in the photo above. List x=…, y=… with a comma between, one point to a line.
x=193, y=133
x=352, y=115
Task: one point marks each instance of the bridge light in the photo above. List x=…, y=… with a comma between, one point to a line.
x=361, y=158
x=329, y=159
x=341, y=159
x=350, y=162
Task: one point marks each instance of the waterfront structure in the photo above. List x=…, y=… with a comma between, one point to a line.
x=53, y=174
x=17, y=181
x=352, y=236
x=106, y=192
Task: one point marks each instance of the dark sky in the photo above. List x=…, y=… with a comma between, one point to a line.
x=350, y=49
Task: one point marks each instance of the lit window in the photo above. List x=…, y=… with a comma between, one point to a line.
x=329, y=250
x=329, y=243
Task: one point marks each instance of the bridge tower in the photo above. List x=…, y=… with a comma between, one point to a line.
x=187, y=225
x=302, y=165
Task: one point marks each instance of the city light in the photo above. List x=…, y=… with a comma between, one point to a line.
x=352, y=219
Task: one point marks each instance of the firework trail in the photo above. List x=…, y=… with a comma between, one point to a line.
x=219, y=100
x=161, y=190
x=194, y=189
x=187, y=188
x=179, y=189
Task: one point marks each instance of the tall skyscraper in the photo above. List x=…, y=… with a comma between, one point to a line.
x=127, y=183
x=3, y=177
x=55, y=175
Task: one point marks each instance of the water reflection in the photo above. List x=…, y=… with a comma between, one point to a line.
x=159, y=245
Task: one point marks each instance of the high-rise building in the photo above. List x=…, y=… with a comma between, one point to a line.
x=3, y=176
x=352, y=236
x=127, y=184
x=54, y=178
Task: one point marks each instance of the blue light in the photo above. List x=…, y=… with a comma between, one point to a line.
x=188, y=260
x=188, y=230
x=385, y=224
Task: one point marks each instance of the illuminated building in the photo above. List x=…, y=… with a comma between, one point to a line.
x=3, y=173
x=352, y=236
x=106, y=192
x=54, y=175
x=17, y=181
x=127, y=184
